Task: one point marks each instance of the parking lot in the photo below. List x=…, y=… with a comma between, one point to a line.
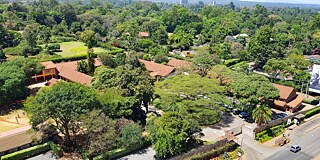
x=229, y=121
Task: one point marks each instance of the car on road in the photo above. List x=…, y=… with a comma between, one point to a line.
x=295, y=148
x=244, y=115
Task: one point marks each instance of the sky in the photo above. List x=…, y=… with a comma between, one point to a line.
x=288, y=1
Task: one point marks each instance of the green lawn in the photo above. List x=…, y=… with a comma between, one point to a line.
x=76, y=48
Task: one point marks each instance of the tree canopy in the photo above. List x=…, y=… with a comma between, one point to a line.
x=63, y=103
x=171, y=134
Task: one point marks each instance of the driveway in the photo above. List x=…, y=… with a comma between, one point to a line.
x=228, y=122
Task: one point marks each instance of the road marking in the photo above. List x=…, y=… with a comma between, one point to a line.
x=312, y=128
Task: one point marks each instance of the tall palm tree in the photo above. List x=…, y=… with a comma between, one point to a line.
x=261, y=114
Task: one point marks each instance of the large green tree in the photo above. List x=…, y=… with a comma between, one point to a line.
x=12, y=83
x=131, y=80
x=191, y=95
x=88, y=37
x=170, y=134
x=253, y=89
x=63, y=103
x=204, y=62
x=100, y=133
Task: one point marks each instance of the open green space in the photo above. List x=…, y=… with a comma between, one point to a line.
x=69, y=49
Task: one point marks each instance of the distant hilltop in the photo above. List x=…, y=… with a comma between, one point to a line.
x=243, y=3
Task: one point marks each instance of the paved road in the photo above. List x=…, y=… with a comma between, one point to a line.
x=145, y=154
x=308, y=137
x=44, y=156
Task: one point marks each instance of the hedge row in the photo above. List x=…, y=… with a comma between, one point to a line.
x=311, y=101
x=269, y=133
x=113, y=154
x=312, y=112
x=78, y=57
x=215, y=153
x=23, y=154
x=231, y=62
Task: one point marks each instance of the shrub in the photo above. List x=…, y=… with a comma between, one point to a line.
x=231, y=62
x=56, y=149
x=23, y=154
x=160, y=58
x=54, y=46
x=312, y=112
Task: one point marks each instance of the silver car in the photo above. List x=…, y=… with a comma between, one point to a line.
x=295, y=148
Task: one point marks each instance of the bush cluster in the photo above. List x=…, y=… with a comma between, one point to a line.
x=23, y=154
x=231, y=62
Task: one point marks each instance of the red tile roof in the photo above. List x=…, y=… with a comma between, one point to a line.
x=284, y=91
x=144, y=34
x=73, y=64
x=157, y=69
x=73, y=75
x=279, y=103
x=176, y=63
x=296, y=102
x=48, y=64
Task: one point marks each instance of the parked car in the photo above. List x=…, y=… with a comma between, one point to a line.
x=244, y=115
x=279, y=116
x=236, y=111
x=249, y=120
x=284, y=114
x=295, y=148
x=228, y=107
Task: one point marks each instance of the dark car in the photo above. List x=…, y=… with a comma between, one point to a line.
x=244, y=115
x=236, y=111
x=249, y=120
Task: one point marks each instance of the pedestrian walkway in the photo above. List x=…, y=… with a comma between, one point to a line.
x=14, y=131
x=44, y=156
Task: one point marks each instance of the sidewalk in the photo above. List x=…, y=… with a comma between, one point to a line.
x=14, y=131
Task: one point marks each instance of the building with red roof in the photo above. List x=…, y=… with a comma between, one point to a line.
x=157, y=70
x=177, y=63
x=66, y=71
x=289, y=100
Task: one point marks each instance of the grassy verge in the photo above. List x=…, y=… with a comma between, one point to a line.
x=270, y=133
x=69, y=49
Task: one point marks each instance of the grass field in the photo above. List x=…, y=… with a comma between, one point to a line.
x=75, y=48
x=8, y=121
